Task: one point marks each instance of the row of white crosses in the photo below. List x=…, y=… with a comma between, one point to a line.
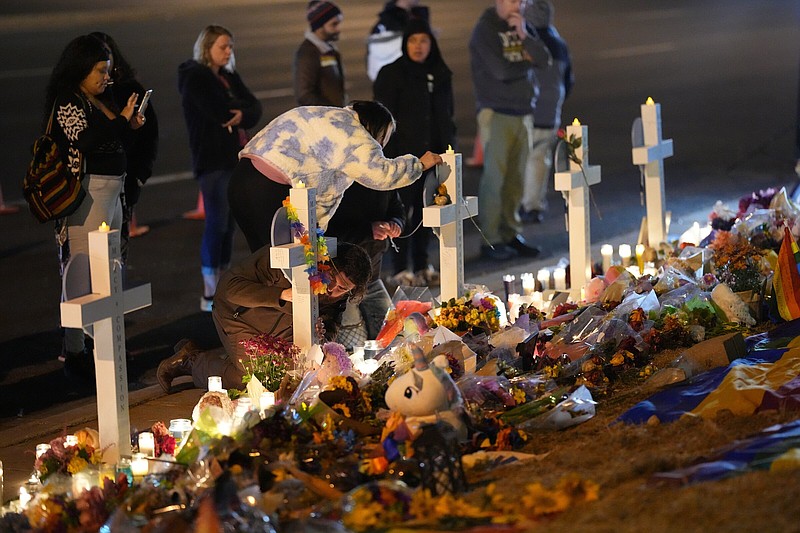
x=574, y=183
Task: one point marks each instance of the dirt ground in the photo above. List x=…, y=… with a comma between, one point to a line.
x=622, y=458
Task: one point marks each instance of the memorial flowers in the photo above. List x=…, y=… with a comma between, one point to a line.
x=66, y=460
x=738, y=262
x=463, y=314
x=269, y=359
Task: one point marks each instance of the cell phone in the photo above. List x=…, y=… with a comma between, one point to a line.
x=145, y=101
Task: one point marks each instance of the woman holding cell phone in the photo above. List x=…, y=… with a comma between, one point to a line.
x=218, y=108
x=90, y=131
x=141, y=147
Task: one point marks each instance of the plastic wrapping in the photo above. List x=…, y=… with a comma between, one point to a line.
x=576, y=409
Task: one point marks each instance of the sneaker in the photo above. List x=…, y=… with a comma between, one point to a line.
x=206, y=304
x=523, y=248
x=500, y=252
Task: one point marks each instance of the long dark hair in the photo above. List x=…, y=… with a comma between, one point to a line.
x=122, y=69
x=76, y=62
x=374, y=116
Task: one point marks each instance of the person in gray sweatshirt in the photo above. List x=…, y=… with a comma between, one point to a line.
x=503, y=50
x=555, y=82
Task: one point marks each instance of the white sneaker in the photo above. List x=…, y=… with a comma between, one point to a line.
x=206, y=304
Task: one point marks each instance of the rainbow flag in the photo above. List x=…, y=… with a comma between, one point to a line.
x=768, y=378
x=786, y=280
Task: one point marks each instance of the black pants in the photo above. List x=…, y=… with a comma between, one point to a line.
x=415, y=245
x=254, y=199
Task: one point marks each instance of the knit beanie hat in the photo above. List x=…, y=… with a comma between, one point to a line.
x=321, y=13
x=540, y=13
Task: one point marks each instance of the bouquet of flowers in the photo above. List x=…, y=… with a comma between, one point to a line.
x=164, y=442
x=737, y=261
x=462, y=314
x=66, y=460
x=270, y=358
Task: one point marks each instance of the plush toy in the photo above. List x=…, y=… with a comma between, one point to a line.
x=427, y=394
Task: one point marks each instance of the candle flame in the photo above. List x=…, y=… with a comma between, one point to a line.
x=576, y=122
x=650, y=101
x=301, y=185
x=449, y=150
x=104, y=227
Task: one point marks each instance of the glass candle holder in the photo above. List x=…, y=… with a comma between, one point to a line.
x=560, y=279
x=41, y=449
x=140, y=466
x=266, y=400
x=625, y=254
x=147, y=444
x=215, y=384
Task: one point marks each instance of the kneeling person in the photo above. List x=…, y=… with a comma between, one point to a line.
x=253, y=298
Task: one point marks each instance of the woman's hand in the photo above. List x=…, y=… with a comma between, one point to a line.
x=130, y=107
x=384, y=230
x=429, y=159
x=235, y=120
x=137, y=121
x=286, y=295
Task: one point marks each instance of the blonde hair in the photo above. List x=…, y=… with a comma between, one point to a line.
x=206, y=40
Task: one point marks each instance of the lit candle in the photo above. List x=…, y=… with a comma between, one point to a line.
x=301, y=185
x=81, y=481
x=650, y=269
x=179, y=428
x=214, y=383
x=560, y=279
x=41, y=449
x=640, y=256
x=70, y=440
x=24, y=497
x=513, y=307
x=528, y=283
x=147, y=444
x=576, y=122
x=508, y=284
x=104, y=227
x=449, y=150
x=649, y=101
x=140, y=466
x=607, y=251
x=543, y=276
x=536, y=300
x=266, y=400
x=243, y=405
x=625, y=254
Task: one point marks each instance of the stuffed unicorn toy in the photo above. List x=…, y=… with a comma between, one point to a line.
x=427, y=394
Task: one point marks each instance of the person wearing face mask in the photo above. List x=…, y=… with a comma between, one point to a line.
x=417, y=88
x=254, y=298
x=327, y=148
x=218, y=109
x=90, y=132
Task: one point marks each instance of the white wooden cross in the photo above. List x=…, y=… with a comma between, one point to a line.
x=649, y=151
x=450, y=220
x=305, y=304
x=104, y=309
x=575, y=183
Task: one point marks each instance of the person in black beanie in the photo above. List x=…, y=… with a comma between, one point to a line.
x=318, y=72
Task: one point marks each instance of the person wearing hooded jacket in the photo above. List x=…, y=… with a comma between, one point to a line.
x=555, y=82
x=218, y=108
x=417, y=88
x=384, y=44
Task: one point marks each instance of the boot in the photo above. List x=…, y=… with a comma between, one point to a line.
x=179, y=364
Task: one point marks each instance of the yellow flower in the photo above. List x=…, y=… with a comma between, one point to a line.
x=364, y=516
x=618, y=359
x=340, y=382
x=541, y=501
x=518, y=395
x=76, y=464
x=342, y=409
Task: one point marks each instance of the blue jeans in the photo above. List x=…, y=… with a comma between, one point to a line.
x=217, y=246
